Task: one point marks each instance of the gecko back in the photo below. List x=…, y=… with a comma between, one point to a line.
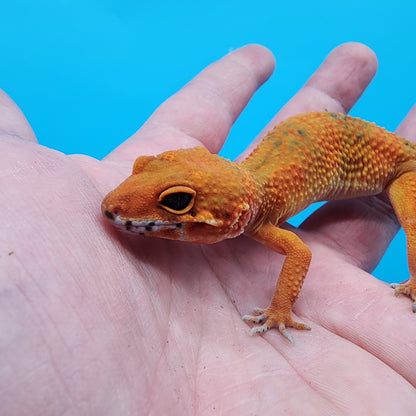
x=321, y=156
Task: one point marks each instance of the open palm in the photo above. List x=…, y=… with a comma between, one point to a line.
x=96, y=322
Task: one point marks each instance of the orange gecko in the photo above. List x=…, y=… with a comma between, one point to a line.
x=196, y=196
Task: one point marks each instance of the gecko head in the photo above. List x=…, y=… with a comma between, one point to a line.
x=187, y=194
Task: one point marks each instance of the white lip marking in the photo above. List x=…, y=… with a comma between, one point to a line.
x=143, y=227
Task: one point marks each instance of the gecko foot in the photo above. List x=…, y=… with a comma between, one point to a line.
x=408, y=288
x=273, y=319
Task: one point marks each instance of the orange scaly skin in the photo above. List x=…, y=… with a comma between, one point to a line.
x=193, y=195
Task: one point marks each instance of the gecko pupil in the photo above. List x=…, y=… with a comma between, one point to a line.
x=177, y=201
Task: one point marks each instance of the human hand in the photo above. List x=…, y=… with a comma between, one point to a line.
x=96, y=322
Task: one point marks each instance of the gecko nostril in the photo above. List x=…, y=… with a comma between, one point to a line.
x=109, y=215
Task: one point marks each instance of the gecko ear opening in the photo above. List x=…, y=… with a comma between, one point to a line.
x=177, y=199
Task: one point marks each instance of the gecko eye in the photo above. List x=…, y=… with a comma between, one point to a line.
x=177, y=199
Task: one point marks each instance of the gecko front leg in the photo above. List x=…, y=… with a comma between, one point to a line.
x=292, y=275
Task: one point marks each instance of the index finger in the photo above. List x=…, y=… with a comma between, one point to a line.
x=203, y=112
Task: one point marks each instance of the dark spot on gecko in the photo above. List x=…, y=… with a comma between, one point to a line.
x=178, y=225
x=128, y=225
x=141, y=233
x=277, y=143
x=148, y=227
x=108, y=214
x=302, y=133
x=151, y=224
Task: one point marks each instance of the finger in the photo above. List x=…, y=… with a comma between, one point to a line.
x=335, y=86
x=203, y=112
x=361, y=229
x=12, y=121
x=407, y=128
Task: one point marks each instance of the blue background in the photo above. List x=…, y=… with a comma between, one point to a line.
x=88, y=73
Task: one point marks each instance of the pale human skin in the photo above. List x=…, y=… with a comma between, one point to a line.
x=96, y=322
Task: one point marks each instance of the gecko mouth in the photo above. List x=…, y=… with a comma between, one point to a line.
x=140, y=227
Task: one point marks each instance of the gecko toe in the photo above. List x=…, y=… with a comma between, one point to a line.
x=408, y=289
x=259, y=329
x=255, y=319
x=258, y=311
x=283, y=331
x=271, y=318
